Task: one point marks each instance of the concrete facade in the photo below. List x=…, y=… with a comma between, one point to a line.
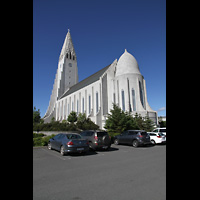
x=120, y=83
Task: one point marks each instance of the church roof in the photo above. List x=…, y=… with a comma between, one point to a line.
x=91, y=79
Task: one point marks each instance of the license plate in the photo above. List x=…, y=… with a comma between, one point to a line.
x=80, y=149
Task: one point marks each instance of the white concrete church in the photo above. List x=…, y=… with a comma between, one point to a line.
x=120, y=82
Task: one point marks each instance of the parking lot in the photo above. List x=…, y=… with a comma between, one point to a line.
x=123, y=172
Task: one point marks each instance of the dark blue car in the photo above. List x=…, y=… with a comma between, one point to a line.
x=68, y=142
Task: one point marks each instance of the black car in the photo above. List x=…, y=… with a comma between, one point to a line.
x=68, y=142
x=133, y=137
x=97, y=139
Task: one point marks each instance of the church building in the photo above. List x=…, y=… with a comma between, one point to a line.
x=120, y=82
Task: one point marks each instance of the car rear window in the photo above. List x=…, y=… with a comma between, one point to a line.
x=132, y=133
x=73, y=136
x=101, y=134
x=163, y=130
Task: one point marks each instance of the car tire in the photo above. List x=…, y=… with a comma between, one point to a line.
x=90, y=146
x=153, y=142
x=49, y=146
x=116, y=141
x=135, y=143
x=62, y=150
x=107, y=148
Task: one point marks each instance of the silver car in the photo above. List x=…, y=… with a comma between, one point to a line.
x=68, y=142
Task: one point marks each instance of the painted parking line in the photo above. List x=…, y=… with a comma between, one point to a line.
x=51, y=153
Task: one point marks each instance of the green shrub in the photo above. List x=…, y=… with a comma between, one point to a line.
x=37, y=141
x=45, y=140
x=35, y=135
x=41, y=139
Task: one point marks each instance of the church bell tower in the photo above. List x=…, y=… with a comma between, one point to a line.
x=66, y=76
x=67, y=66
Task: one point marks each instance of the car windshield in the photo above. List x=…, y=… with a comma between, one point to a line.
x=163, y=130
x=155, y=130
x=73, y=136
x=101, y=134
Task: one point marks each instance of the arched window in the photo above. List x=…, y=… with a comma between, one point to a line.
x=133, y=99
x=123, y=101
x=70, y=56
x=67, y=55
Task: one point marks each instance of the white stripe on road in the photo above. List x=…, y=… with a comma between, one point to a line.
x=51, y=153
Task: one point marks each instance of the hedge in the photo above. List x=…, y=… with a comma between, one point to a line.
x=40, y=139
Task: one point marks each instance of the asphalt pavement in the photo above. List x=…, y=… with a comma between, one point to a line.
x=123, y=173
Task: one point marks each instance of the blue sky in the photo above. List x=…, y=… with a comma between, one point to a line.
x=101, y=30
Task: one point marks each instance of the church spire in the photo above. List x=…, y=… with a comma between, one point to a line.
x=68, y=47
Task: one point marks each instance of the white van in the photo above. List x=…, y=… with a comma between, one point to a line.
x=160, y=130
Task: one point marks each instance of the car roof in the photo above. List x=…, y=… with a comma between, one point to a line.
x=161, y=128
x=95, y=130
x=69, y=133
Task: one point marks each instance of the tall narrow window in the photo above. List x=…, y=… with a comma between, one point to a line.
x=83, y=105
x=77, y=107
x=68, y=109
x=118, y=92
x=141, y=94
x=89, y=104
x=114, y=98
x=129, y=102
x=72, y=106
x=97, y=102
x=123, y=101
x=133, y=99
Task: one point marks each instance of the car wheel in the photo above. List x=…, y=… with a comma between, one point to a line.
x=107, y=148
x=135, y=143
x=62, y=151
x=90, y=146
x=49, y=146
x=153, y=142
x=116, y=141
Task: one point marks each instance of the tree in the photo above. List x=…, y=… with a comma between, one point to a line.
x=118, y=120
x=36, y=115
x=162, y=124
x=72, y=117
x=138, y=122
x=85, y=123
x=148, y=124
